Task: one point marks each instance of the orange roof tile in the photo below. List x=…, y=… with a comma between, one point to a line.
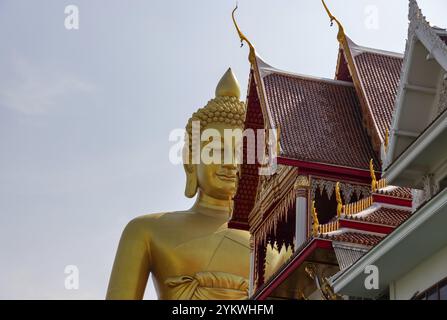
x=320, y=120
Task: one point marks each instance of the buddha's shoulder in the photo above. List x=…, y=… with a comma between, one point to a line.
x=152, y=221
x=240, y=237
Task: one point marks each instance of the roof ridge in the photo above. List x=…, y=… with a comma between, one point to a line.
x=346, y=230
x=306, y=77
x=357, y=49
x=391, y=54
x=266, y=69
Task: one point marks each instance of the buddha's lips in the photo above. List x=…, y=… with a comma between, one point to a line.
x=227, y=177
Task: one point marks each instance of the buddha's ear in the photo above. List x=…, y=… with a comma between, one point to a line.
x=191, y=180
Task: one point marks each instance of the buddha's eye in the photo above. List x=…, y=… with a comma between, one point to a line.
x=215, y=151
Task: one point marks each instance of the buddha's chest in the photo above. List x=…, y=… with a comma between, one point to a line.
x=223, y=251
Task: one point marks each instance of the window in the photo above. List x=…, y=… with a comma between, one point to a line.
x=443, y=291
x=443, y=184
x=432, y=294
x=327, y=207
x=436, y=292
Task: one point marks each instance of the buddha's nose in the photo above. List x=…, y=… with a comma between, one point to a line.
x=230, y=166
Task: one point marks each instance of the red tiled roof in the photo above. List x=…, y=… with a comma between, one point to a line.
x=320, y=120
x=354, y=237
x=379, y=74
x=385, y=216
x=400, y=192
x=247, y=187
x=342, y=72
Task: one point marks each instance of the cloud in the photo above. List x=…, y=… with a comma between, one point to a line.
x=32, y=90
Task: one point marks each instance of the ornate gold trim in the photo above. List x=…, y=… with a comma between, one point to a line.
x=353, y=208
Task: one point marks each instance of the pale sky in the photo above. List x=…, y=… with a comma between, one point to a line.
x=85, y=115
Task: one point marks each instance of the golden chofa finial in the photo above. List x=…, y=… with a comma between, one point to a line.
x=373, y=176
x=387, y=139
x=242, y=37
x=228, y=86
x=338, y=198
x=341, y=37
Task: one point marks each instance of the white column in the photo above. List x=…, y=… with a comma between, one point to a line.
x=301, y=187
x=301, y=221
x=252, y=267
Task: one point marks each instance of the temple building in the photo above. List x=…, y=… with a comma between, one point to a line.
x=360, y=172
x=413, y=260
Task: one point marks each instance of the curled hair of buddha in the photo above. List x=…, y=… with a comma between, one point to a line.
x=225, y=108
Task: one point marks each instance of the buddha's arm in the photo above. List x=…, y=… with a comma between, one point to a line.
x=132, y=264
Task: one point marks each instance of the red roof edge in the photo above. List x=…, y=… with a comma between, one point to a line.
x=329, y=171
x=379, y=198
x=365, y=226
x=369, y=122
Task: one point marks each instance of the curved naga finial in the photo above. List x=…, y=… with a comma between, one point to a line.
x=316, y=223
x=252, y=54
x=387, y=140
x=338, y=198
x=341, y=37
x=373, y=176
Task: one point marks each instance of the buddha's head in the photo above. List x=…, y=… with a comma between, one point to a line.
x=217, y=179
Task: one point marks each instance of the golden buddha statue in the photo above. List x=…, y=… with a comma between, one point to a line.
x=192, y=254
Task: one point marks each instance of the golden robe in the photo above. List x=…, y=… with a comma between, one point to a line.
x=209, y=286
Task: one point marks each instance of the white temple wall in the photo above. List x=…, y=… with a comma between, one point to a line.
x=422, y=277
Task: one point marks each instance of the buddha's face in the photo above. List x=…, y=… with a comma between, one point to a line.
x=216, y=173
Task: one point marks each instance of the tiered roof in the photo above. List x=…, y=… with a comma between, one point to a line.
x=412, y=159
x=328, y=127
x=333, y=125
x=384, y=216
x=365, y=239
x=379, y=215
